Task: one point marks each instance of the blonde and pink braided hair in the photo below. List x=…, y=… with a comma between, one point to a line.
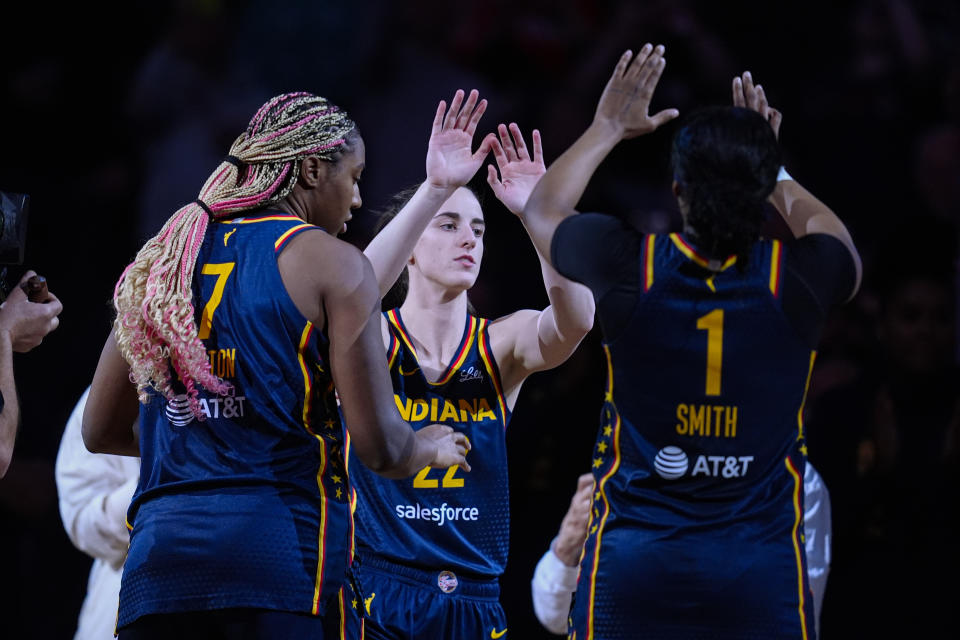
x=155, y=327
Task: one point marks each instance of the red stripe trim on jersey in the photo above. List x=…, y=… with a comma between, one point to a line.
x=648, y=255
x=289, y=233
x=603, y=494
x=307, y=396
x=795, y=538
x=692, y=254
x=462, y=356
x=775, y=264
x=487, y=356
x=395, y=321
x=265, y=218
x=392, y=351
x=457, y=360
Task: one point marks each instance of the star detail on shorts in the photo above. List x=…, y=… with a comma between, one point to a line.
x=597, y=462
x=339, y=492
x=353, y=603
x=602, y=447
x=607, y=430
x=328, y=424
x=336, y=479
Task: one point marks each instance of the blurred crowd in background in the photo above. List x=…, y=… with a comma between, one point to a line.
x=115, y=118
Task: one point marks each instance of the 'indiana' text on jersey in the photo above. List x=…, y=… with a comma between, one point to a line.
x=252, y=503
x=443, y=518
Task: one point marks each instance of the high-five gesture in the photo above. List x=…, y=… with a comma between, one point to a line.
x=625, y=101
x=450, y=163
x=519, y=171
x=745, y=94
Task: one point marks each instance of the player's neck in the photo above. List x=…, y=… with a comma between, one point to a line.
x=435, y=323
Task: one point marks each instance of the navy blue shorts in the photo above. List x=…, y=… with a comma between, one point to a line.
x=399, y=603
x=236, y=624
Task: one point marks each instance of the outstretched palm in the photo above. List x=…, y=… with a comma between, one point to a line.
x=625, y=101
x=748, y=96
x=449, y=159
x=519, y=171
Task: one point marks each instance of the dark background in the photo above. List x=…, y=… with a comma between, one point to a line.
x=113, y=118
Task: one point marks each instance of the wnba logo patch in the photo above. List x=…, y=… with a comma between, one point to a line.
x=178, y=411
x=447, y=581
x=671, y=463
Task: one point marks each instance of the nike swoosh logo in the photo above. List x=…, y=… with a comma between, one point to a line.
x=407, y=373
x=496, y=634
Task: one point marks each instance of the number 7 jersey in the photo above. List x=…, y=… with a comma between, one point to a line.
x=443, y=518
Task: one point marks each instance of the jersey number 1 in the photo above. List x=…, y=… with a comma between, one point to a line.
x=712, y=323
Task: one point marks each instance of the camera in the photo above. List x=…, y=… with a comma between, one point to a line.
x=14, y=209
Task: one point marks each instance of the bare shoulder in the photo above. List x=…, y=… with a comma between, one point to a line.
x=319, y=269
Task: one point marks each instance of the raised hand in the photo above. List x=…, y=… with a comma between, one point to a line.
x=625, y=101
x=452, y=446
x=573, y=528
x=746, y=95
x=519, y=171
x=450, y=162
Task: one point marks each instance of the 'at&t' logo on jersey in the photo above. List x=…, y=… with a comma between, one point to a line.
x=179, y=414
x=672, y=463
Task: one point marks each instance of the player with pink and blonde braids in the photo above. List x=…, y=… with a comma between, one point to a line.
x=237, y=328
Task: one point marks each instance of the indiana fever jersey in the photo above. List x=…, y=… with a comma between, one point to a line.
x=249, y=507
x=443, y=519
x=699, y=458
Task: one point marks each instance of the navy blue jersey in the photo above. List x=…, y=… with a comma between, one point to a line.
x=696, y=528
x=443, y=519
x=249, y=507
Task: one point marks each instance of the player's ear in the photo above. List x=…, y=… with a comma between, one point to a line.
x=313, y=171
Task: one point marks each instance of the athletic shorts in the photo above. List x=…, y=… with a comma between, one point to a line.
x=387, y=601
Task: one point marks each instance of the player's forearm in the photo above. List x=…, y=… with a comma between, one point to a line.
x=561, y=187
x=112, y=406
x=10, y=414
x=390, y=249
x=804, y=214
x=572, y=303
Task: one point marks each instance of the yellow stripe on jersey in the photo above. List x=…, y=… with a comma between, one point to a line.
x=797, y=515
x=803, y=401
x=392, y=351
x=487, y=356
x=395, y=321
x=289, y=232
x=307, y=396
x=648, y=263
x=462, y=356
x=775, y=255
x=601, y=489
x=689, y=251
x=458, y=359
